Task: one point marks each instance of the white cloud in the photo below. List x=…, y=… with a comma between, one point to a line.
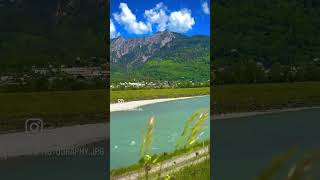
x=205, y=8
x=113, y=31
x=129, y=21
x=181, y=21
x=178, y=21
x=158, y=16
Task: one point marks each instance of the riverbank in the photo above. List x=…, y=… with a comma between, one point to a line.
x=132, y=105
x=256, y=113
x=239, y=98
x=63, y=108
x=162, y=158
x=67, y=108
x=56, y=140
x=144, y=94
x=169, y=166
x=23, y=144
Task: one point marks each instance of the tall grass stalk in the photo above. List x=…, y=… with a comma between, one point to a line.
x=146, y=147
x=187, y=125
x=147, y=138
x=298, y=170
x=192, y=129
x=190, y=134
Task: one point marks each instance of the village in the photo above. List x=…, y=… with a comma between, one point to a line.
x=52, y=77
x=157, y=84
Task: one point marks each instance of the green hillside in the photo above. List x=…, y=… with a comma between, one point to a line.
x=183, y=59
x=56, y=31
x=266, y=41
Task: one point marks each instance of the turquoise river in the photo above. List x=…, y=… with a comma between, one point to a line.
x=126, y=128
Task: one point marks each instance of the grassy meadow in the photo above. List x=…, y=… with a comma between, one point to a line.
x=130, y=95
x=228, y=98
x=74, y=107
x=254, y=97
x=193, y=172
x=52, y=103
x=57, y=108
x=60, y=108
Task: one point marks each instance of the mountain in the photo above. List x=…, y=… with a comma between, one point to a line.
x=139, y=49
x=266, y=31
x=162, y=44
x=55, y=31
x=162, y=56
x=265, y=41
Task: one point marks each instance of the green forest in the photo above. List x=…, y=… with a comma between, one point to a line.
x=166, y=70
x=265, y=41
x=51, y=32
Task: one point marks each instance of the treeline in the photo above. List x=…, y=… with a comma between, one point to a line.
x=159, y=85
x=40, y=32
x=63, y=84
x=195, y=70
x=253, y=72
x=266, y=41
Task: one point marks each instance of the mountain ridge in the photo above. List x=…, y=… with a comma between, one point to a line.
x=161, y=56
x=148, y=46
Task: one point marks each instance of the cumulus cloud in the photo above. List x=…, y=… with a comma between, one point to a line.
x=205, y=8
x=129, y=21
x=113, y=31
x=181, y=21
x=178, y=21
x=157, y=16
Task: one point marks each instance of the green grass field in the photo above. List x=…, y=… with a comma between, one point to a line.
x=253, y=97
x=56, y=108
x=130, y=95
x=194, y=172
x=52, y=103
x=78, y=102
x=228, y=98
x=74, y=107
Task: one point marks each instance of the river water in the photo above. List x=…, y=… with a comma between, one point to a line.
x=245, y=146
x=82, y=166
x=125, y=133
x=170, y=117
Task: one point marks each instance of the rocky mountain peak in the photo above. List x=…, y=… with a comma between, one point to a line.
x=141, y=48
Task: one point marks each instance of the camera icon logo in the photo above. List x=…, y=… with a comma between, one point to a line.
x=33, y=126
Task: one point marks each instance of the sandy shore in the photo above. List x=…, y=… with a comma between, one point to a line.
x=57, y=139
x=126, y=106
x=256, y=113
x=24, y=144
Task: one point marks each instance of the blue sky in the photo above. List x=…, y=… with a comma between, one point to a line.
x=134, y=18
